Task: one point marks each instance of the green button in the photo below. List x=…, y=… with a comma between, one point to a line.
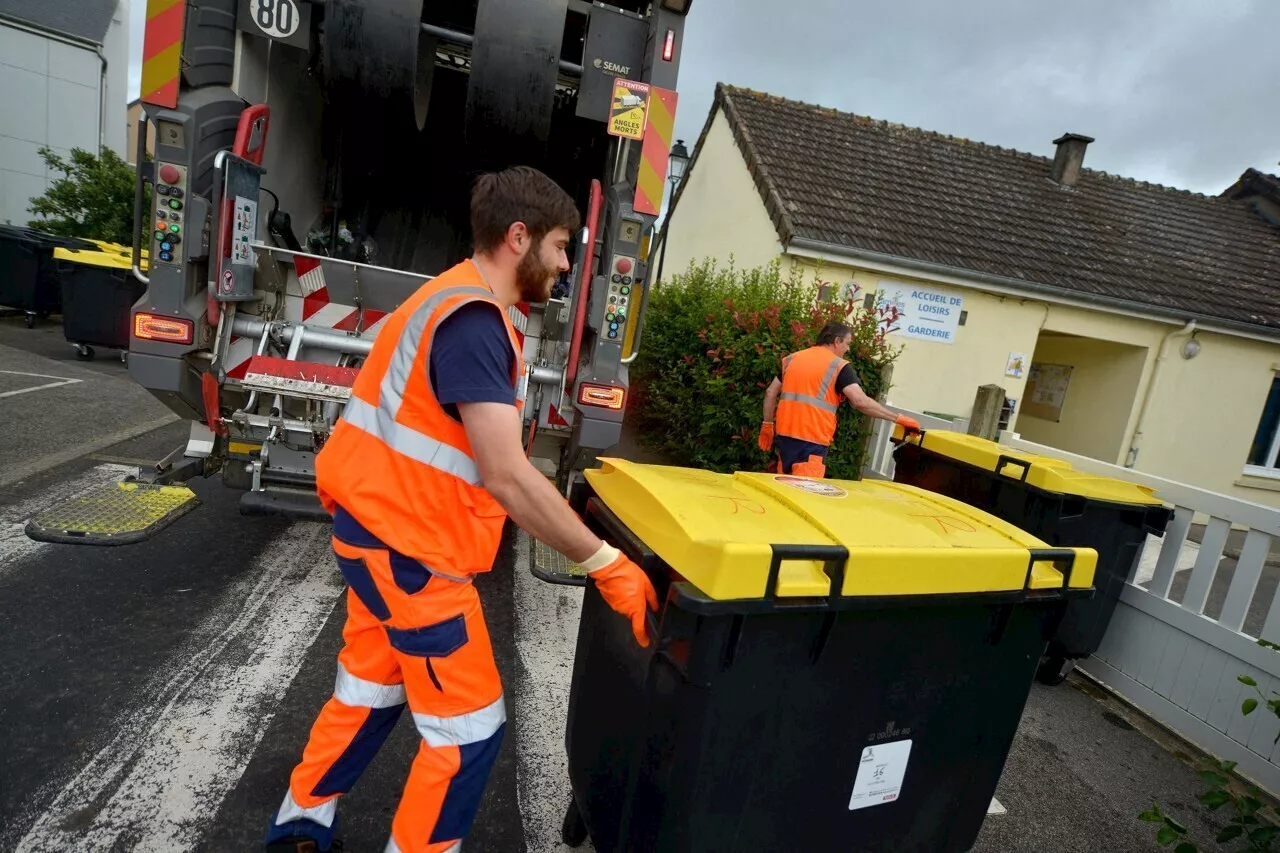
x=160, y=235
x=625, y=290
x=175, y=228
x=175, y=204
x=609, y=317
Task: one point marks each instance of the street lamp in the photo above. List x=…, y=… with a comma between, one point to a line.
x=677, y=165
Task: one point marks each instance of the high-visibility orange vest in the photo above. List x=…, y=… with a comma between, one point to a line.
x=396, y=461
x=809, y=402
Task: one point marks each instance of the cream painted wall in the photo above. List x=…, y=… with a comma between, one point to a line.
x=1100, y=398
x=720, y=211
x=944, y=378
x=1204, y=413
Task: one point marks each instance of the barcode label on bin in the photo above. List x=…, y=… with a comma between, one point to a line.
x=880, y=773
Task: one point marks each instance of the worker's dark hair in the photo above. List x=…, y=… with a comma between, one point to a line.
x=831, y=331
x=519, y=194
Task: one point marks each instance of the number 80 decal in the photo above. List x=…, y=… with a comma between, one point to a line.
x=277, y=18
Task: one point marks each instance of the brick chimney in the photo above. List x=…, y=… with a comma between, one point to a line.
x=1069, y=158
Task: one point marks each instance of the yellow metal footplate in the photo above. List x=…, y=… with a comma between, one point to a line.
x=553, y=567
x=113, y=514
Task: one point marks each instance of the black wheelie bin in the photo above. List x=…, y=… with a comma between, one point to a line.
x=30, y=279
x=1054, y=502
x=835, y=665
x=99, y=291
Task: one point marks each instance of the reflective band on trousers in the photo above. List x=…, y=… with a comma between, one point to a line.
x=392, y=847
x=358, y=693
x=419, y=447
x=462, y=729
x=322, y=814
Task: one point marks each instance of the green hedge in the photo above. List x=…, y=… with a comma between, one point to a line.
x=714, y=339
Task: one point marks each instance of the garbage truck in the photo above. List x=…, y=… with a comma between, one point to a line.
x=312, y=167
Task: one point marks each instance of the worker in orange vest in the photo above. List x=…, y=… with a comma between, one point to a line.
x=420, y=474
x=805, y=397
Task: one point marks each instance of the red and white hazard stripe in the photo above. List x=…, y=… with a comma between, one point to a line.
x=314, y=308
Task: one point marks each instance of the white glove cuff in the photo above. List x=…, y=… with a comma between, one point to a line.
x=606, y=555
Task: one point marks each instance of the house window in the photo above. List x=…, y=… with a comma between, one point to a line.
x=1266, y=442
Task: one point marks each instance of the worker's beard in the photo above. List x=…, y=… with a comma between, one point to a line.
x=534, y=278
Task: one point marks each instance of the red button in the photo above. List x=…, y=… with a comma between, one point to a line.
x=169, y=174
x=624, y=265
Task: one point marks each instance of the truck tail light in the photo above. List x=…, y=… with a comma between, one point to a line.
x=602, y=396
x=171, y=330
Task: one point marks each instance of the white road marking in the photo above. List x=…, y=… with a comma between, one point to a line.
x=62, y=380
x=546, y=636
x=14, y=544
x=159, y=781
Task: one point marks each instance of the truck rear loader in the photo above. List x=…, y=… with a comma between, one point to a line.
x=312, y=167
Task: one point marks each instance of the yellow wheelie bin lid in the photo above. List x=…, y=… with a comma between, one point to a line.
x=108, y=258
x=719, y=531
x=1042, y=472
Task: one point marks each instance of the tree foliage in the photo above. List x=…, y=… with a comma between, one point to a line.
x=93, y=198
x=713, y=340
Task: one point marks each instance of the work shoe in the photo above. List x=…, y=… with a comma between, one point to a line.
x=300, y=844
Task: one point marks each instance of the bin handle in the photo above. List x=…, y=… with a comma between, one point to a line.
x=835, y=559
x=139, y=186
x=1057, y=556
x=1013, y=460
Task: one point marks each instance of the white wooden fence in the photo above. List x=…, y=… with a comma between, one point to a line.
x=1163, y=651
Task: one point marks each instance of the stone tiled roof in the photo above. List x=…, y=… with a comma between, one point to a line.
x=87, y=19
x=866, y=186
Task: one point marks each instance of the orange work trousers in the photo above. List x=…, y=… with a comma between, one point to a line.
x=415, y=636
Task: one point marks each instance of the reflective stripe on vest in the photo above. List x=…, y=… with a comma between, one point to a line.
x=821, y=400
x=380, y=421
x=809, y=403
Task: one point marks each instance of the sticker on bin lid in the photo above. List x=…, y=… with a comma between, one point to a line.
x=813, y=487
x=881, y=770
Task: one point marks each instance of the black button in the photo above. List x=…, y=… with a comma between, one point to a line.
x=160, y=214
x=175, y=239
x=162, y=189
x=175, y=192
x=617, y=277
x=626, y=279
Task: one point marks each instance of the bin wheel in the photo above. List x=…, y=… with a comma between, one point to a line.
x=1052, y=671
x=574, y=830
x=84, y=353
x=31, y=321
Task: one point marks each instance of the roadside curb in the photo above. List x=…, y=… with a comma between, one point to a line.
x=53, y=460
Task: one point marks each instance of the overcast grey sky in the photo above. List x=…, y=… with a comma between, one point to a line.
x=1178, y=92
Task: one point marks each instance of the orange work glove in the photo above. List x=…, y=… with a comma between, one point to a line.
x=624, y=586
x=909, y=425
x=766, y=436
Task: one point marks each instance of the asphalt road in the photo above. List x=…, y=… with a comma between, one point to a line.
x=155, y=697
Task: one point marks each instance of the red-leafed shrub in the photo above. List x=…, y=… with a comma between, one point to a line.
x=713, y=340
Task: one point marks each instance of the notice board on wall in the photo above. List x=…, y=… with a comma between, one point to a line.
x=1046, y=391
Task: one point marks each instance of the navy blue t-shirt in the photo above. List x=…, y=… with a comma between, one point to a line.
x=471, y=359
